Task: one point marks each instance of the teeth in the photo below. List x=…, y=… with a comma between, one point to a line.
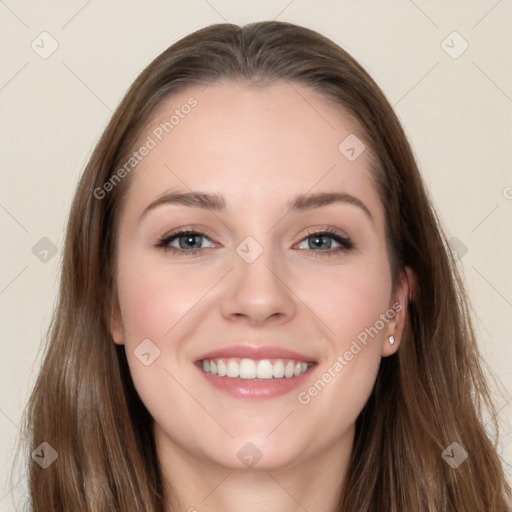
x=278, y=369
x=233, y=369
x=288, y=371
x=221, y=368
x=249, y=369
x=265, y=369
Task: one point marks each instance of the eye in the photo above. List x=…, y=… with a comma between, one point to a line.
x=184, y=241
x=322, y=242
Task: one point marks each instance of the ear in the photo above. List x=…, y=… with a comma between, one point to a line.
x=404, y=292
x=116, y=324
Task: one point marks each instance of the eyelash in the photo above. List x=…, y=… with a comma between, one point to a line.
x=346, y=244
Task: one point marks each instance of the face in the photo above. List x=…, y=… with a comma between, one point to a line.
x=272, y=276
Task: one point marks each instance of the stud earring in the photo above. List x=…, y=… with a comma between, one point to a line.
x=391, y=340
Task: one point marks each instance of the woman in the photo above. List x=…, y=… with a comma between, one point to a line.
x=258, y=308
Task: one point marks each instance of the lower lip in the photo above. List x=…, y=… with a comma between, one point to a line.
x=259, y=389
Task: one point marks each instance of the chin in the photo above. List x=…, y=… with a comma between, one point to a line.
x=255, y=453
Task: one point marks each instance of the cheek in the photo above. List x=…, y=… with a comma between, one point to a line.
x=153, y=298
x=349, y=300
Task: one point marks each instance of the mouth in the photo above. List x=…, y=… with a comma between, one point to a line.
x=246, y=371
x=254, y=370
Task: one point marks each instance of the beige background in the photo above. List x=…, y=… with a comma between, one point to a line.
x=456, y=111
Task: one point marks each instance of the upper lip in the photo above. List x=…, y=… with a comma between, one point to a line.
x=256, y=353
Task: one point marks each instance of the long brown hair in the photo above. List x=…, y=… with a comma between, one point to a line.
x=428, y=395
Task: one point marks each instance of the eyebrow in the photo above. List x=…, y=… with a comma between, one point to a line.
x=215, y=202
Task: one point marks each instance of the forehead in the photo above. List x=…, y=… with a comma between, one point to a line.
x=258, y=145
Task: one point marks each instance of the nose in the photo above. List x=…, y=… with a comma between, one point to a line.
x=258, y=292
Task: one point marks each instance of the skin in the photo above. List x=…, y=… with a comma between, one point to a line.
x=257, y=147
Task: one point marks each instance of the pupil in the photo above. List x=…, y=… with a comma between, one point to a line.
x=319, y=241
x=189, y=239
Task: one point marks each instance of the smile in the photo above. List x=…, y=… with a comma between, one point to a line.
x=251, y=369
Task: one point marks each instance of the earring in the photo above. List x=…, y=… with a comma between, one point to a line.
x=391, y=340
